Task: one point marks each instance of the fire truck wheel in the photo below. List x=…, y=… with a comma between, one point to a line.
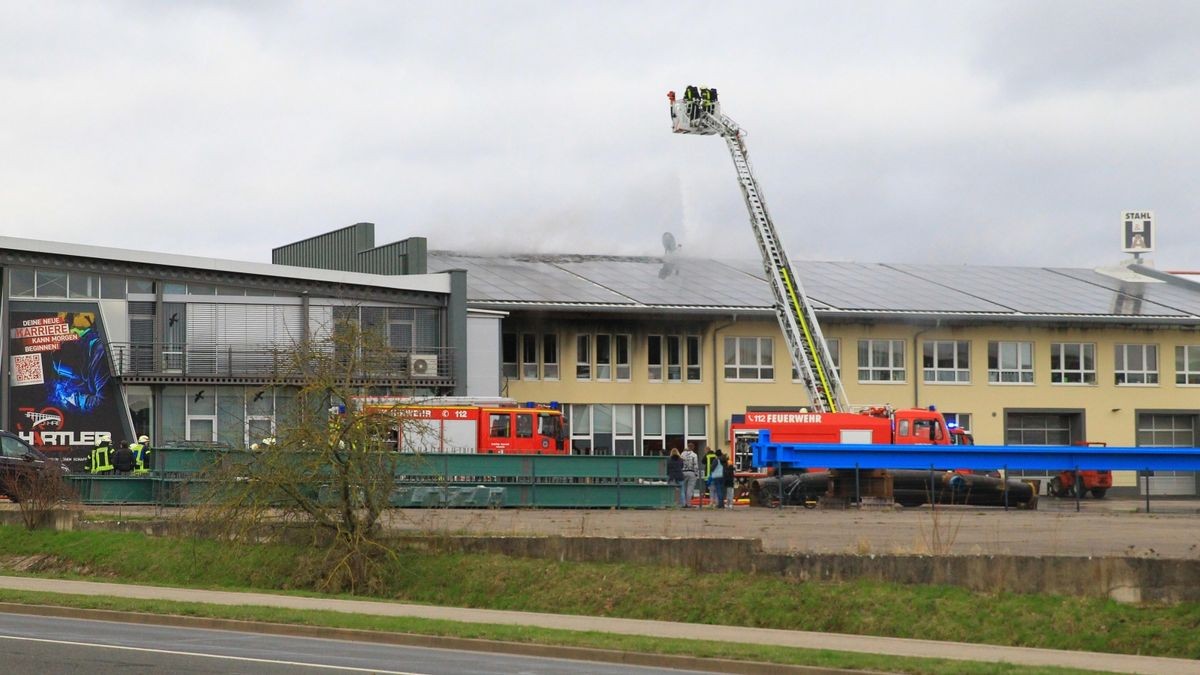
x=1099, y=493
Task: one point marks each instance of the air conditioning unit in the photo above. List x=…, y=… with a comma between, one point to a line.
x=422, y=365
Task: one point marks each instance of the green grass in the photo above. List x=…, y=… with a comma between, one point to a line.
x=641, y=592
x=708, y=648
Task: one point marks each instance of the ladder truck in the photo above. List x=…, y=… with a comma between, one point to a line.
x=829, y=418
x=699, y=112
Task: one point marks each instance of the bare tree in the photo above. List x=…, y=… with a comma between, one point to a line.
x=328, y=474
x=37, y=491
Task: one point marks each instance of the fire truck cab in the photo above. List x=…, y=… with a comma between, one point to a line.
x=472, y=425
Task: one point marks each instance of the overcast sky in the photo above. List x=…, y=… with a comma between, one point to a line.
x=1007, y=133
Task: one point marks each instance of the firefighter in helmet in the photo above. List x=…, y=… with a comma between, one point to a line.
x=141, y=455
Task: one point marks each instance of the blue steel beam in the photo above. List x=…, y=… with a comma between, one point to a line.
x=987, y=457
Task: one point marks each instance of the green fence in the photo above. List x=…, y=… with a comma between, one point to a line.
x=450, y=480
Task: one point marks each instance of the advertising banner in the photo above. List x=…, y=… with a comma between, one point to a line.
x=62, y=394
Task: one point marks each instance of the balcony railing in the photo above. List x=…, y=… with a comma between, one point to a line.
x=163, y=361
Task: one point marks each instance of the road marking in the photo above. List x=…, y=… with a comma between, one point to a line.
x=211, y=656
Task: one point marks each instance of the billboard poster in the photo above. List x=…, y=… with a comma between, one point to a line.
x=62, y=393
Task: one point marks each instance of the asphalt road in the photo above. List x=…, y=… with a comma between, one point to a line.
x=51, y=645
x=666, y=630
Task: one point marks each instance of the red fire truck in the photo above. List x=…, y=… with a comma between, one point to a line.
x=912, y=426
x=472, y=425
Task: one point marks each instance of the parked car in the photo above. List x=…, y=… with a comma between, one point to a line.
x=20, y=461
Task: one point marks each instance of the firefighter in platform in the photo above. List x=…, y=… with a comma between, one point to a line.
x=142, y=456
x=691, y=98
x=100, y=461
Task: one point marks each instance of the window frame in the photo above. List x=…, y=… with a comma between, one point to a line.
x=1022, y=368
x=622, y=357
x=583, y=357
x=763, y=346
x=895, y=352
x=960, y=371
x=530, y=367
x=1058, y=371
x=550, y=356
x=1183, y=356
x=1121, y=371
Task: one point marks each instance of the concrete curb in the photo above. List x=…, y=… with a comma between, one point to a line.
x=429, y=641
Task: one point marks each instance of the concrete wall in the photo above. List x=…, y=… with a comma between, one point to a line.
x=1128, y=580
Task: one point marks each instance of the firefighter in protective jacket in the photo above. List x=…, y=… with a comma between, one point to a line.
x=101, y=458
x=141, y=455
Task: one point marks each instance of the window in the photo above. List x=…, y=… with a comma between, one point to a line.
x=750, y=359
x=603, y=357
x=624, y=369
x=51, y=284
x=673, y=426
x=693, y=358
x=881, y=360
x=674, y=365
x=1038, y=429
x=583, y=357
x=666, y=354
x=834, y=347
x=550, y=356
x=1187, y=364
x=654, y=364
x=1010, y=362
x=1166, y=431
x=960, y=420
x=20, y=283
x=84, y=285
x=1073, y=363
x=1136, y=364
x=525, y=425
x=499, y=425
x=529, y=356
x=508, y=356
x=112, y=287
x=141, y=286
x=602, y=429
x=946, y=361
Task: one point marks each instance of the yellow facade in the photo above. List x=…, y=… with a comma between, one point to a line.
x=1107, y=412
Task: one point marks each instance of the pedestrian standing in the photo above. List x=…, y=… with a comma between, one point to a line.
x=716, y=481
x=122, y=459
x=691, y=470
x=730, y=480
x=710, y=461
x=675, y=472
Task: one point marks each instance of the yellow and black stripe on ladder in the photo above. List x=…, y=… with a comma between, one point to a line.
x=798, y=309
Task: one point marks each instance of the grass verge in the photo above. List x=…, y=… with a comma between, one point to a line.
x=630, y=591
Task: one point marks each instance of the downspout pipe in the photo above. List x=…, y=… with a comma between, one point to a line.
x=917, y=368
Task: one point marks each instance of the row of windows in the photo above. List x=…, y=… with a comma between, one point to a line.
x=641, y=430
x=676, y=358
x=27, y=282
x=601, y=357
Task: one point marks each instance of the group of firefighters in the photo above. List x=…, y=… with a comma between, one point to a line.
x=128, y=458
x=697, y=99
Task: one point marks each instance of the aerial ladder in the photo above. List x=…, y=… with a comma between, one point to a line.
x=699, y=112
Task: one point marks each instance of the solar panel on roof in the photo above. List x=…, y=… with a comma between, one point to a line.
x=846, y=286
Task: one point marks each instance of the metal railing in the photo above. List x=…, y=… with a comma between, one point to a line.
x=273, y=361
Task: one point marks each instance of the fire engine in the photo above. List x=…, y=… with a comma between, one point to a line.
x=829, y=418
x=471, y=425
